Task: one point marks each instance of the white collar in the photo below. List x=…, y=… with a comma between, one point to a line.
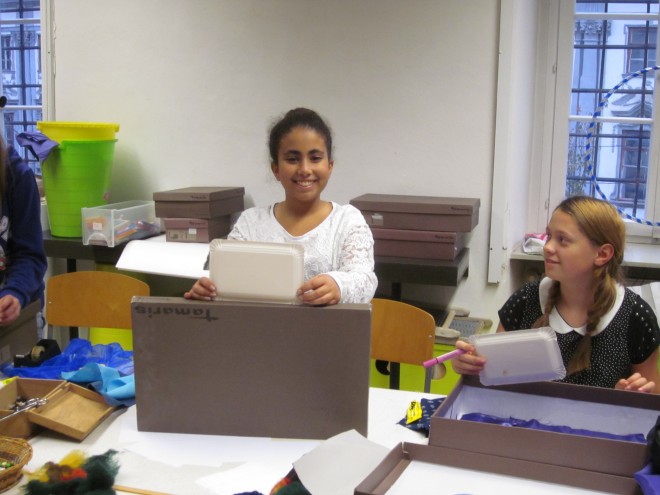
x=558, y=324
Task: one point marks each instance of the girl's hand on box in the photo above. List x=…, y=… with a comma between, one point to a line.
x=469, y=363
x=10, y=309
x=636, y=383
x=203, y=290
x=320, y=291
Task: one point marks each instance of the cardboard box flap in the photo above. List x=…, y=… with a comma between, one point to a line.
x=71, y=410
x=416, y=204
x=521, y=474
x=199, y=193
x=417, y=236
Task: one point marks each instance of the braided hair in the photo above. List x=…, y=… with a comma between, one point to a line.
x=602, y=224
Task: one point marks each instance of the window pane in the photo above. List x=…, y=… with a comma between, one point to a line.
x=619, y=161
x=605, y=53
x=19, y=9
x=593, y=6
x=21, y=69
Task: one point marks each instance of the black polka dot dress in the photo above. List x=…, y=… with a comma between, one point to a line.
x=627, y=335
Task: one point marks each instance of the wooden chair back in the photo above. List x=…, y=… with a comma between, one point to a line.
x=92, y=299
x=402, y=333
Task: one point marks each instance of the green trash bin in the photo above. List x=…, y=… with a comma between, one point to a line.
x=76, y=174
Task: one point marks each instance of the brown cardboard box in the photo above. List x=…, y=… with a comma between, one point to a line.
x=251, y=369
x=20, y=336
x=196, y=229
x=590, y=408
x=417, y=243
x=398, y=460
x=71, y=410
x=439, y=214
x=19, y=426
x=199, y=202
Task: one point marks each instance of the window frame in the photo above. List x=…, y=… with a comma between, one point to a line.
x=555, y=127
x=44, y=68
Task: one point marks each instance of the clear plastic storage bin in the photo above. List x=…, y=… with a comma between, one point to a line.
x=112, y=224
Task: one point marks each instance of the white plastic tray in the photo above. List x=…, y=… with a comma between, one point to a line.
x=256, y=271
x=519, y=356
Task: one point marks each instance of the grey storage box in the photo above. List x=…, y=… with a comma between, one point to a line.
x=199, y=202
x=249, y=369
x=196, y=229
x=392, y=211
x=595, y=409
x=472, y=471
x=417, y=243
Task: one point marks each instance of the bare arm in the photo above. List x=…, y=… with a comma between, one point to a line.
x=645, y=377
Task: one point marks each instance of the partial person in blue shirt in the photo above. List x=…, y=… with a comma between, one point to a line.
x=23, y=261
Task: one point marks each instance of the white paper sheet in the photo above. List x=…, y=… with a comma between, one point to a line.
x=157, y=256
x=207, y=450
x=250, y=476
x=339, y=464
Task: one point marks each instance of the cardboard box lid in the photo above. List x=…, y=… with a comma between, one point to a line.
x=417, y=235
x=256, y=271
x=520, y=357
x=201, y=193
x=416, y=204
x=516, y=471
x=72, y=410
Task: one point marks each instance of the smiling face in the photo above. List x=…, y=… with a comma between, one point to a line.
x=302, y=167
x=569, y=254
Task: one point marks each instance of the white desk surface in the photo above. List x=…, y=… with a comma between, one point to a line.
x=184, y=464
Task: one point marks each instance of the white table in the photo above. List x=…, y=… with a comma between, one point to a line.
x=176, y=463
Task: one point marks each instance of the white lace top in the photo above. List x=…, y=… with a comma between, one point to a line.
x=341, y=246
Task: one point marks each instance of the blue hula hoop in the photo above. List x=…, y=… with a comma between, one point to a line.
x=588, y=156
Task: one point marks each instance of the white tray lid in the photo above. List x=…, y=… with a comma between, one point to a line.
x=256, y=271
x=519, y=356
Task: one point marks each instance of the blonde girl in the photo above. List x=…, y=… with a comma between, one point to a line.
x=607, y=334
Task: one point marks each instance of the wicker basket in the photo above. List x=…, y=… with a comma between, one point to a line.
x=19, y=453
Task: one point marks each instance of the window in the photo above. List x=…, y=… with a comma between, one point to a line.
x=20, y=33
x=642, y=46
x=611, y=149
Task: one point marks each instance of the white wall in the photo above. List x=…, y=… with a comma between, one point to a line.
x=407, y=86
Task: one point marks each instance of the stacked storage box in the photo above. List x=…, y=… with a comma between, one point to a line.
x=198, y=214
x=424, y=227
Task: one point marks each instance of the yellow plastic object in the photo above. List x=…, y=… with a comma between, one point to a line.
x=123, y=337
x=76, y=131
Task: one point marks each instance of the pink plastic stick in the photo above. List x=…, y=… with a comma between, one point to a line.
x=443, y=358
